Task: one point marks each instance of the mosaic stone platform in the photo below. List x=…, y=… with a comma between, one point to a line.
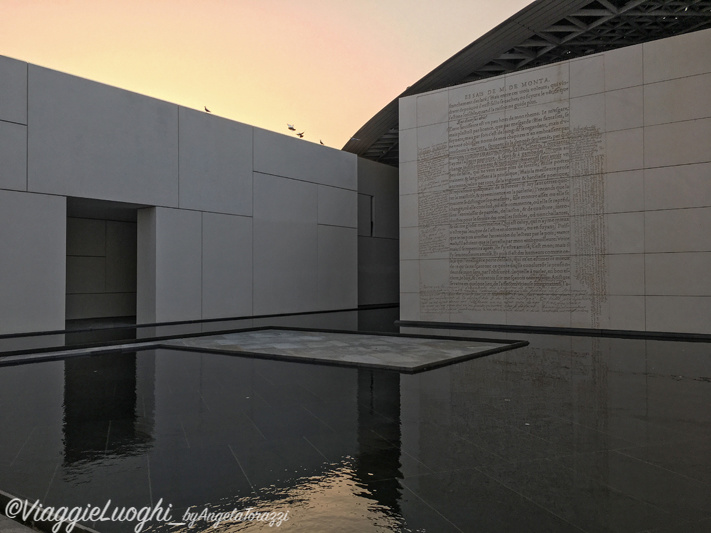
x=395, y=352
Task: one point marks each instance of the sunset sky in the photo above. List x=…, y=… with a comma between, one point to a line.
x=326, y=66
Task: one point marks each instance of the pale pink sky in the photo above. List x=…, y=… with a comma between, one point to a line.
x=326, y=66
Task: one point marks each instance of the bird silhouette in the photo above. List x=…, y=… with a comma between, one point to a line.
x=301, y=135
x=291, y=127
x=206, y=109
x=320, y=141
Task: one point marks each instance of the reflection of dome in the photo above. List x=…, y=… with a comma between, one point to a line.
x=544, y=32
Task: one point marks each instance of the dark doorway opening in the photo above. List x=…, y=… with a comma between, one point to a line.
x=101, y=264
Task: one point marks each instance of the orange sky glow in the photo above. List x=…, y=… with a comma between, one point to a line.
x=326, y=66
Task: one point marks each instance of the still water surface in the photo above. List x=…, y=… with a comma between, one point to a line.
x=568, y=434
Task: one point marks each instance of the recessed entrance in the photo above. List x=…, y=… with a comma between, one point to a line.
x=101, y=262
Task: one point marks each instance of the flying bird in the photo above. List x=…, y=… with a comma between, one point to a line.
x=206, y=109
x=301, y=135
x=291, y=127
x=320, y=141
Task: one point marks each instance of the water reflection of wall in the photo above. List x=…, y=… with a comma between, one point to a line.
x=576, y=379
x=270, y=413
x=575, y=396
x=32, y=396
x=108, y=406
x=379, y=439
x=288, y=426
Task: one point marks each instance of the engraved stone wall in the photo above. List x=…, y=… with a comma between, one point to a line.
x=571, y=195
x=514, y=202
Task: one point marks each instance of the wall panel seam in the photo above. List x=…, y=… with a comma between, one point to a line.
x=304, y=181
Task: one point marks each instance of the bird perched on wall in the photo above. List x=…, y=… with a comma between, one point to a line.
x=291, y=127
x=301, y=135
x=206, y=109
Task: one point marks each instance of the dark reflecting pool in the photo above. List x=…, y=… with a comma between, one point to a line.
x=567, y=434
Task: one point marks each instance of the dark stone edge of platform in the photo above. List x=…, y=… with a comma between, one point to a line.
x=553, y=330
x=352, y=364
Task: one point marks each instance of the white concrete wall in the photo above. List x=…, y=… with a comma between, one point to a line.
x=640, y=189
x=178, y=265
x=90, y=140
x=13, y=124
x=303, y=161
x=13, y=86
x=215, y=164
x=232, y=220
x=285, y=244
x=296, y=256
x=226, y=265
x=32, y=263
x=13, y=154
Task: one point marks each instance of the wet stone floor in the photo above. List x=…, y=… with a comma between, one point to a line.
x=565, y=434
